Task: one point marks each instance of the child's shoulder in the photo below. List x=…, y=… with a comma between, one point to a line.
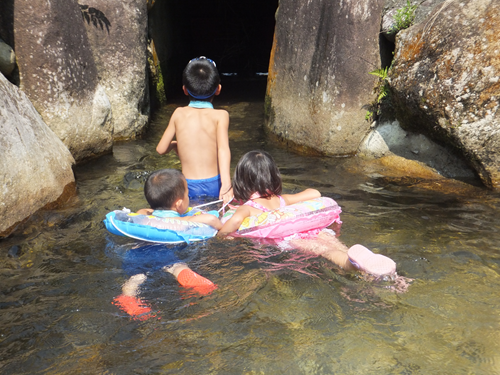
x=216, y=114
x=221, y=115
x=214, y=111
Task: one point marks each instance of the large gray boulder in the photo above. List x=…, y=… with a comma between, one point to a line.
x=35, y=166
x=117, y=32
x=318, y=81
x=58, y=74
x=445, y=81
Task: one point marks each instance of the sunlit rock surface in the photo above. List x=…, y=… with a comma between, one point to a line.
x=318, y=81
x=58, y=74
x=446, y=81
x=117, y=32
x=35, y=166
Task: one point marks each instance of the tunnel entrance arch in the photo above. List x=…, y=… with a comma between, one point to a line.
x=237, y=35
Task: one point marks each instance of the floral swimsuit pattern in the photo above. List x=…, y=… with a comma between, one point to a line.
x=284, y=244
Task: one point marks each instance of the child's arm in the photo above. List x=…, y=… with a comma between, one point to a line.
x=166, y=143
x=224, y=157
x=302, y=196
x=172, y=147
x=235, y=221
x=202, y=218
x=206, y=219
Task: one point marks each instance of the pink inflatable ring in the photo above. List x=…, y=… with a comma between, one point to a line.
x=300, y=217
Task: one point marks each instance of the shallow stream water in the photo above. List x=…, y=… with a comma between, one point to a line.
x=273, y=312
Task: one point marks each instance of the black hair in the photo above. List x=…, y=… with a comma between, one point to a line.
x=163, y=188
x=201, y=78
x=256, y=172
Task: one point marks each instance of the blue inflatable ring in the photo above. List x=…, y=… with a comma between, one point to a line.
x=155, y=229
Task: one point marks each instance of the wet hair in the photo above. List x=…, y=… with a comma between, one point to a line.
x=201, y=78
x=163, y=188
x=256, y=172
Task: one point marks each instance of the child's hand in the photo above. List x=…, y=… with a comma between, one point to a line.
x=145, y=211
x=225, y=236
x=226, y=194
x=336, y=228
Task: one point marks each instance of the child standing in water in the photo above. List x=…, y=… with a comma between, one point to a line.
x=201, y=133
x=257, y=182
x=167, y=194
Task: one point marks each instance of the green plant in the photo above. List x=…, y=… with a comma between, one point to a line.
x=382, y=91
x=404, y=17
x=160, y=87
x=381, y=88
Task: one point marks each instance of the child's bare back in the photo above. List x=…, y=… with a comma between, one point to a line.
x=201, y=140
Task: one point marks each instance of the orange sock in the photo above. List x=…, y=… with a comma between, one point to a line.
x=190, y=279
x=132, y=306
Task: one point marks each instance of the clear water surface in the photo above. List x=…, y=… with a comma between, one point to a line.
x=274, y=312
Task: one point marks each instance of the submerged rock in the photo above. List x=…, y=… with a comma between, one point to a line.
x=389, y=138
x=445, y=81
x=396, y=171
x=35, y=166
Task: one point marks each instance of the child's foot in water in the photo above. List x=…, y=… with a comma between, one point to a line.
x=129, y=303
x=133, y=306
x=367, y=261
x=190, y=279
x=401, y=284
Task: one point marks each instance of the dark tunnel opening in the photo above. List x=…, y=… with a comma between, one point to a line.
x=238, y=36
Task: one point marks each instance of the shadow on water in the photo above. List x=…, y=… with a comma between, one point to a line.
x=273, y=312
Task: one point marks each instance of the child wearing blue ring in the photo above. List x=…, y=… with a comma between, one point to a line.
x=166, y=192
x=201, y=134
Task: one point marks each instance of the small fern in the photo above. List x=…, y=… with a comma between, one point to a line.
x=381, y=73
x=368, y=115
x=382, y=91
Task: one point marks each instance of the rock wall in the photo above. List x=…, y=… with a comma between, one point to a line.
x=59, y=75
x=35, y=166
x=445, y=81
x=117, y=32
x=318, y=81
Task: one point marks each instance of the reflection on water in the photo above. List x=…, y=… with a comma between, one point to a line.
x=273, y=312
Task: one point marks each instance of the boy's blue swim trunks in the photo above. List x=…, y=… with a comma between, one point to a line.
x=150, y=258
x=208, y=187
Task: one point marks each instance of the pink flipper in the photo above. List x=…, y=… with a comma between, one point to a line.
x=367, y=261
